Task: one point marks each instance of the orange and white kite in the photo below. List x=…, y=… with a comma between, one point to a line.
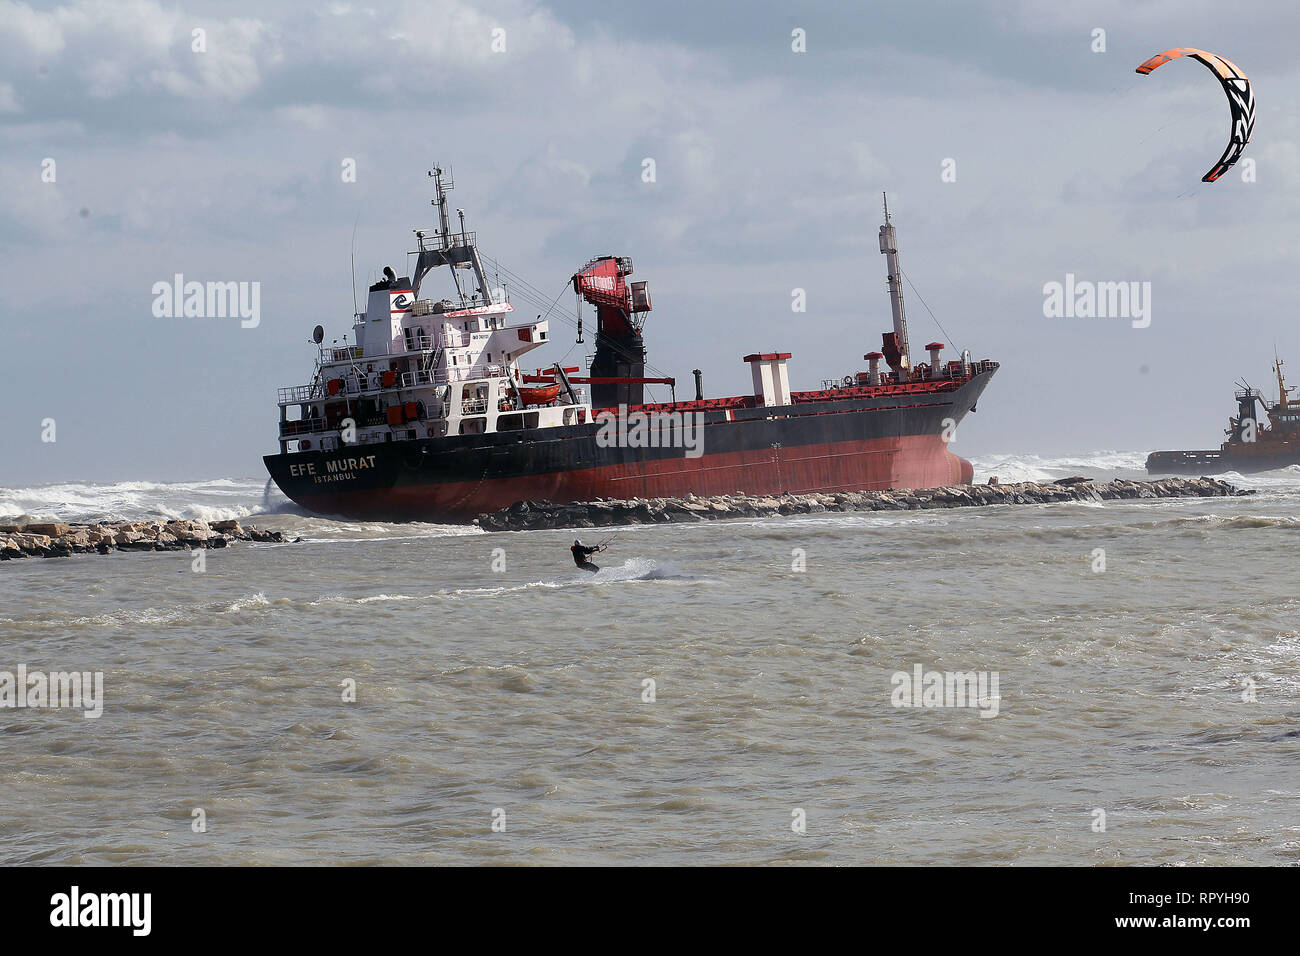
x=1241, y=99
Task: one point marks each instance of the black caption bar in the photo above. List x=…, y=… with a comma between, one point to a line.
x=141, y=906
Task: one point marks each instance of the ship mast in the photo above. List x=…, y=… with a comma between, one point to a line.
x=889, y=247
x=456, y=250
x=1282, y=402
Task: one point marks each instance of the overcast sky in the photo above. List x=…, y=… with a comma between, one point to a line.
x=225, y=165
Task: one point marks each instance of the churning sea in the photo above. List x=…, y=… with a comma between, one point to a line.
x=724, y=692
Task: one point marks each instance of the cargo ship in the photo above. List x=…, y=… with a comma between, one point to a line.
x=425, y=413
x=1251, y=446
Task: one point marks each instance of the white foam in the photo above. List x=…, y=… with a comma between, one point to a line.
x=1097, y=464
x=638, y=569
x=243, y=604
x=1104, y=465
x=212, y=499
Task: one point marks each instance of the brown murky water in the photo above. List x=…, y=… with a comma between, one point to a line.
x=519, y=695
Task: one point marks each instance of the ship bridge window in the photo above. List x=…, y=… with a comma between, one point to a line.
x=510, y=423
x=473, y=426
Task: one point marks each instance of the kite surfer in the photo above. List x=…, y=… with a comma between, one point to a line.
x=581, y=552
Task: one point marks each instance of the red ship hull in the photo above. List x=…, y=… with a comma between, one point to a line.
x=917, y=461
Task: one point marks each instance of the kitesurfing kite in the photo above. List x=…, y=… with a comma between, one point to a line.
x=1241, y=98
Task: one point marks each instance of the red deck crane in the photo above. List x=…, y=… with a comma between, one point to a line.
x=618, y=369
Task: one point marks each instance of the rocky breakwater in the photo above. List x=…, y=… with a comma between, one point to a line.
x=534, y=515
x=53, y=539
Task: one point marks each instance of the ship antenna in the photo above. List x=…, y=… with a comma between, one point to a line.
x=354, y=263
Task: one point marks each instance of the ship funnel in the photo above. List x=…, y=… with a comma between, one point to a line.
x=379, y=332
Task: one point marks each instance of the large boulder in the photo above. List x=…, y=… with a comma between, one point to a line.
x=78, y=539
x=190, y=531
x=32, y=543
x=53, y=529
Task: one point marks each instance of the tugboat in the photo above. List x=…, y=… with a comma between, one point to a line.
x=427, y=415
x=1251, y=446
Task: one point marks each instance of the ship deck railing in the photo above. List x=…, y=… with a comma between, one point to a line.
x=305, y=426
x=296, y=394
x=455, y=339
x=352, y=388
x=421, y=378
x=886, y=389
x=354, y=354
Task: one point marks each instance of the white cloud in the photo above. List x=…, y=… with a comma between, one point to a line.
x=229, y=161
x=114, y=48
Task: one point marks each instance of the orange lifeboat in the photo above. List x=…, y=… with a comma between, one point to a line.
x=540, y=395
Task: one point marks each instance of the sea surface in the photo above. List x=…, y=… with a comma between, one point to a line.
x=1147, y=712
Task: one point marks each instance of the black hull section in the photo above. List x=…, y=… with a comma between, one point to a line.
x=1215, y=463
x=893, y=441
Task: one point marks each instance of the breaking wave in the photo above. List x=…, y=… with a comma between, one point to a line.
x=1098, y=464
x=1105, y=465
x=214, y=499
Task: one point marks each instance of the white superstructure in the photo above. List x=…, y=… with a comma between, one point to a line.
x=418, y=368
